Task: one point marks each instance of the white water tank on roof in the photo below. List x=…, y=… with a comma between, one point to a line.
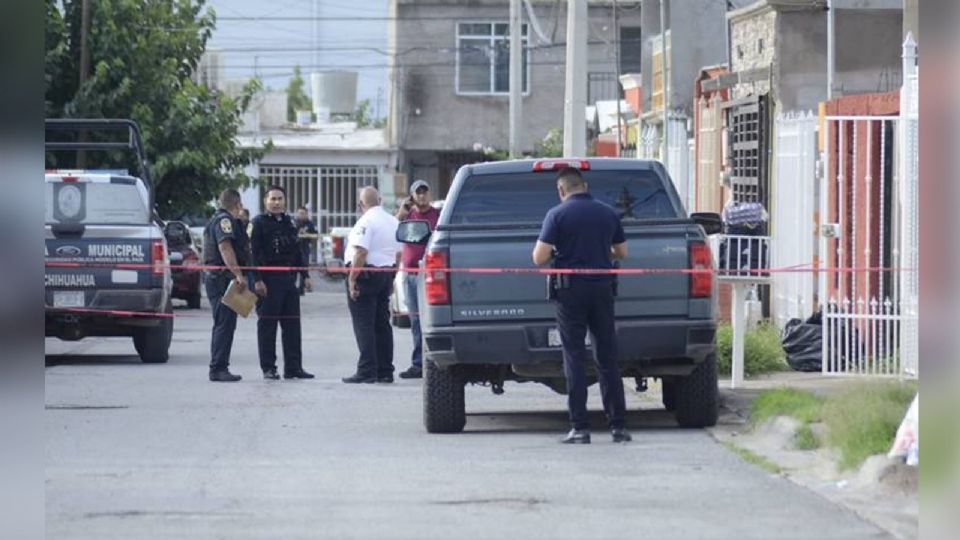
x=335, y=91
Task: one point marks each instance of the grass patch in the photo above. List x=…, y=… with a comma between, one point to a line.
x=863, y=420
x=805, y=438
x=799, y=404
x=753, y=458
x=762, y=351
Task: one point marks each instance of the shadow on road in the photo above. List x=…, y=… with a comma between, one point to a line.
x=91, y=360
x=557, y=421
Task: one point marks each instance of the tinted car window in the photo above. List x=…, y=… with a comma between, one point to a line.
x=95, y=203
x=526, y=197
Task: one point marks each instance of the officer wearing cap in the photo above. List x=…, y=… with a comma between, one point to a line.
x=416, y=207
x=583, y=233
x=275, y=244
x=225, y=246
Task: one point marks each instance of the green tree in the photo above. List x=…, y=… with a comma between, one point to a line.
x=362, y=116
x=297, y=98
x=142, y=56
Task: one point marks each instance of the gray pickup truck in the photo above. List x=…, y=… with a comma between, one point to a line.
x=488, y=328
x=107, y=272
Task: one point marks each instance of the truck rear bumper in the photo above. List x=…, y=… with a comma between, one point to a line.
x=650, y=347
x=108, y=317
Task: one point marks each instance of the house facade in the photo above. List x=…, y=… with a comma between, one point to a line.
x=449, y=72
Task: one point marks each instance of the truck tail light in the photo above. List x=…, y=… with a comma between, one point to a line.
x=436, y=280
x=158, y=255
x=701, y=283
x=337, y=242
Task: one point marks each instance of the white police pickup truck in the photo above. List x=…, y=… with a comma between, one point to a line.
x=106, y=271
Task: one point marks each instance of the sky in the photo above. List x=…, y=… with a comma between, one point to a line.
x=272, y=48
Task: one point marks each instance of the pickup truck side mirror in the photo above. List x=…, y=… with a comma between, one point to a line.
x=414, y=231
x=710, y=221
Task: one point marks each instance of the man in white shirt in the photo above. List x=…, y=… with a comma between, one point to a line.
x=372, y=243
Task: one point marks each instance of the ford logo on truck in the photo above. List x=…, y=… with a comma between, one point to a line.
x=68, y=251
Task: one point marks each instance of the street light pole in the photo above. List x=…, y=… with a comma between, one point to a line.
x=575, y=98
x=516, y=78
x=831, y=49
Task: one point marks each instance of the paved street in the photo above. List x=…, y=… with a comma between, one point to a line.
x=156, y=451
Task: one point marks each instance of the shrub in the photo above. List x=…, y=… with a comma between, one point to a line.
x=762, y=352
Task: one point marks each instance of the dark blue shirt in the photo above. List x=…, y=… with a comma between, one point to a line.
x=275, y=242
x=582, y=230
x=223, y=226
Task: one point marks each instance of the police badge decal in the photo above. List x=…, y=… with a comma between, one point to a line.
x=226, y=225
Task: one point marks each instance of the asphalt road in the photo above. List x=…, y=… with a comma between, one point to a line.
x=139, y=451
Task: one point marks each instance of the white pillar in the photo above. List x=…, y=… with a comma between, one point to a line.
x=739, y=325
x=575, y=96
x=516, y=77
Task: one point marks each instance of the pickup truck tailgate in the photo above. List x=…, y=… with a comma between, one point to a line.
x=478, y=297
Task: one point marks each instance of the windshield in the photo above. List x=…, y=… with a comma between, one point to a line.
x=526, y=197
x=95, y=203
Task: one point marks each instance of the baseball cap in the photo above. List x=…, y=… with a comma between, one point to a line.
x=417, y=184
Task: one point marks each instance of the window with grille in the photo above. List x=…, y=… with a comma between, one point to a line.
x=483, y=58
x=748, y=148
x=328, y=192
x=660, y=63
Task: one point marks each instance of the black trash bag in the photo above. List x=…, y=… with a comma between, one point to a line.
x=803, y=342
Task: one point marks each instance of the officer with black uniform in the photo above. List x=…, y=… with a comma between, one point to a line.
x=274, y=240
x=583, y=233
x=225, y=245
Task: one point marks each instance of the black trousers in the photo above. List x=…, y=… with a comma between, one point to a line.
x=588, y=305
x=280, y=306
x=224, y=322
x=301, y=282
x=370, y=313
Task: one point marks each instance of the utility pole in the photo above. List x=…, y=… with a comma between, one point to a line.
x=616, y=50
x=84, y=69
x=516, y=78
x=831, y=49
x=316, y=35
x=575, y=98
x=664, y=78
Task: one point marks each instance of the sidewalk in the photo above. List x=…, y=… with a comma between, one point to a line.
x=881, y=492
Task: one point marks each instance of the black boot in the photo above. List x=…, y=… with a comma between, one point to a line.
x=224, y=375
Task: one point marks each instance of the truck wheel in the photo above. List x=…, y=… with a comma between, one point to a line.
x=193, y=301
x=153, y=343
x=443, y=406
x=696, y=396
x=668, y=388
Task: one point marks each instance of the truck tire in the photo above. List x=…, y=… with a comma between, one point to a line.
x=193, y=301
x=444, y=410
x=668, y=387
x=697, y=396
x=153, y=343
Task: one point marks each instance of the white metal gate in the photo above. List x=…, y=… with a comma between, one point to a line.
x=793, y=216
x=870, y=239
x=328, y=191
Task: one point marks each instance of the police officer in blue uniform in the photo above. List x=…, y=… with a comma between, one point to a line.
x=275, y=243
x=583, y=233
x=225, y=245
